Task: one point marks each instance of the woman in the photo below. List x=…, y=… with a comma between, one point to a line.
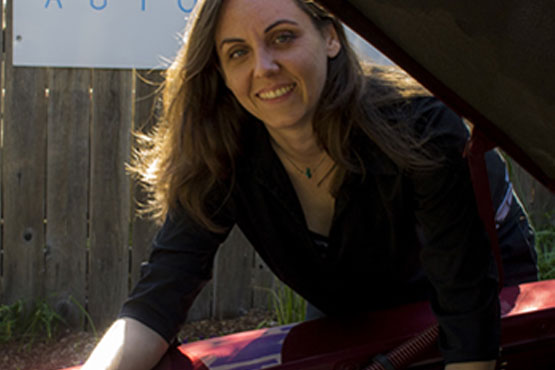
x=349, y=183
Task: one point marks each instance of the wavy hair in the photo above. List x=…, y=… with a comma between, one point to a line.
x=194, y=147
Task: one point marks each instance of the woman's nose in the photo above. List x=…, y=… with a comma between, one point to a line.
x=265, y=63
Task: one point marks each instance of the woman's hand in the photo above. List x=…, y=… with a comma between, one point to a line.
x=479, y=365
x=128, y=344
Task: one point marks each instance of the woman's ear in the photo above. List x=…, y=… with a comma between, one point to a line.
x=333, y=45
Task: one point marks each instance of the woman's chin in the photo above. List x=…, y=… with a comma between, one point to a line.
x=279, y=125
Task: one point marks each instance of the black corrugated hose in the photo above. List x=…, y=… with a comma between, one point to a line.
x=405, y=354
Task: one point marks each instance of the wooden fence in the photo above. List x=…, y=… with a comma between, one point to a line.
x=68, y=233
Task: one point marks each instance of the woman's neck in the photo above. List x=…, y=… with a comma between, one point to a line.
x=300, y=146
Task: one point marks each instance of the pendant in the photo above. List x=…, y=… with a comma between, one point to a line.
x=308, y=173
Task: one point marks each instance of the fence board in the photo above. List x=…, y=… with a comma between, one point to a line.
x=23, y=176
x=146, y=85
x=262, y=281
x=203, y=305
x=69, y=110
x=233, y=269
x=110, y=194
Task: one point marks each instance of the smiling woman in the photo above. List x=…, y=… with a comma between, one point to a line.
x=276, y=67
x=347, y=178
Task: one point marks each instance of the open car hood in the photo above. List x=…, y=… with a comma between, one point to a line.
x=492, y=62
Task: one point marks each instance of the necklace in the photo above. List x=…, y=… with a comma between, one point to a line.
x=325, y=175
x=308, y=172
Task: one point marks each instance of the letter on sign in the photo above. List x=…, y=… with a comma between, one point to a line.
x=48, y=3
x=99, y=7
x=185, y=9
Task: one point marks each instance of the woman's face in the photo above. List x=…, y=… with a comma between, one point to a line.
x=274, y=60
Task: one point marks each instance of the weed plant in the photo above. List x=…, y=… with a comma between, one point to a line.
x=545, y=246
x=27, y=325
x=85, y=314
x=287, y=305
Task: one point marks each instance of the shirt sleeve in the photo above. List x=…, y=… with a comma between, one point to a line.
x=456, y=255
x=179, y=266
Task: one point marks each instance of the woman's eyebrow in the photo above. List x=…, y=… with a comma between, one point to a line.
x=278, y=22
x=230, y=41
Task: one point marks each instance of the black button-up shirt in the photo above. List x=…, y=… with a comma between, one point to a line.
x=395, y=237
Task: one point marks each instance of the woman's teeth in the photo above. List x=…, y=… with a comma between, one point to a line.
x=277, y=92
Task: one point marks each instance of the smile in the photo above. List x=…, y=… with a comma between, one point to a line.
x=273, y=94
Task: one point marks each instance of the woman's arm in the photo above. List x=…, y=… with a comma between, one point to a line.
x=481, y=365
x=128, y=344
x=456, y=254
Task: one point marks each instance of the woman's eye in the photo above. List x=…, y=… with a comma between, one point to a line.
x=284, y=38
x=237, y=53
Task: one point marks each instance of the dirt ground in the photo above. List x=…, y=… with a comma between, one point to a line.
x=71, y=348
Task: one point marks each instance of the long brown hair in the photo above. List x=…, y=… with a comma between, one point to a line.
x=195, y=145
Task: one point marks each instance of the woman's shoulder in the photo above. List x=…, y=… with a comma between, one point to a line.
x=428, y=118
x=439, y=124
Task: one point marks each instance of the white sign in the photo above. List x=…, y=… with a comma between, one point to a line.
x=142, y=34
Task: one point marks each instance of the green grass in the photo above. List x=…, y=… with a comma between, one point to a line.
x=86, y=316
x=287, y=305
x=28, y=323
x=24, y=323
x=545, y=246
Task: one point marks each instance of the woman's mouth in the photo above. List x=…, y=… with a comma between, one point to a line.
x=276, y=93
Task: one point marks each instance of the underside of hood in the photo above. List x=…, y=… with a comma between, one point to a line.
x=492, y=62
